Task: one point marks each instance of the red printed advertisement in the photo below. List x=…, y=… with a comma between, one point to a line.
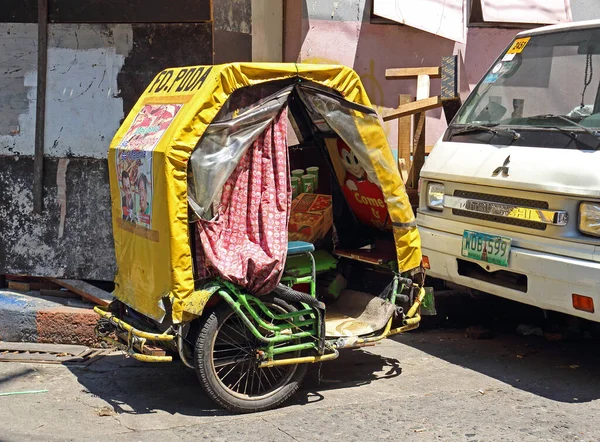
x=134, y=161
x=364, y=197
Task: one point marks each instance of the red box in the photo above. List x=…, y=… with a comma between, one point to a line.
x=311, y=217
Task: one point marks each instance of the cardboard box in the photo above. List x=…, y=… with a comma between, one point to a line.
x=311, y=217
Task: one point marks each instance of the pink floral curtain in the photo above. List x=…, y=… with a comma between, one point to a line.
x=247, y=242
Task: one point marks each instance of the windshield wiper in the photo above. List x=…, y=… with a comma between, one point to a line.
x=563, y=130
x=487, y=128
x=593, y=133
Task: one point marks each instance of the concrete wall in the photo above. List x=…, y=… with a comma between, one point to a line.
x=232, y=30
x=96, y=72
x=585, y=9
x=84, y=107
x=331, y=31
x=267, y=30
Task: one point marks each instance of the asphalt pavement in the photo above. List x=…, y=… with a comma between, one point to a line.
x=422, y=386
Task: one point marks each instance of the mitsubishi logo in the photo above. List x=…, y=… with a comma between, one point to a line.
x=502, y=169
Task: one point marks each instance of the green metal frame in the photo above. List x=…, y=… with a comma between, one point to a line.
x=303, y=269
x=299, y=273
x=281, y=333
x=294, y=326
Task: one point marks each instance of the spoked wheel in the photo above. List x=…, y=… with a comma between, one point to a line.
x=227, y=364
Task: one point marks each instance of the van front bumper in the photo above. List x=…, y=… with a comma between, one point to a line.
x=551, y=279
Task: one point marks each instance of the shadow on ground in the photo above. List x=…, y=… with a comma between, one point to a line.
x=564, y=371
x=352, y=368
x=21, y=372
x=131, y=387
x=567, y=371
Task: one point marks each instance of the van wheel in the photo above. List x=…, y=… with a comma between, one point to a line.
x=227, y=366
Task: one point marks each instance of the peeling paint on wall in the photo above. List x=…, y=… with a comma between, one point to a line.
x=232, y=20
x=18, y=57
x=95, y=75
x=82, y=104
x=338, y=10
x=72, y=238
x=233, y=16
x=61, y=185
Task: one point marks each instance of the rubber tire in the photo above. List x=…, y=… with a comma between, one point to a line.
x=209, y=381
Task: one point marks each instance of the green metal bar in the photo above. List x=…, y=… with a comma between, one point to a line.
x=275, y=339
x=275, y=328
x=262, y=306
x=296, y=315
x=296, y=347
x=303, y=280
x=236, y=308
x=272, y=315
x=312, y=313
x=285, y=338
x=313, y=279
x=305, y=323
x=244, y=299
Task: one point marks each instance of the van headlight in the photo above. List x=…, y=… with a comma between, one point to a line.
x=589, y=218
x=435, y=196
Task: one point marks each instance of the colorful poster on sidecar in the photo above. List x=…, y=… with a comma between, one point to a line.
x=134, y=161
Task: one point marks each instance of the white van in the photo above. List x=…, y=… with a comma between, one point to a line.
x=510, y=196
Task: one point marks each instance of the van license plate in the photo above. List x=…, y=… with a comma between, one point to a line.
x=487, y=248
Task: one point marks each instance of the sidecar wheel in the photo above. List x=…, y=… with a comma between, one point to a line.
x=227, y=366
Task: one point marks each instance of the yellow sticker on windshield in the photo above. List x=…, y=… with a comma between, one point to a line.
x=518, y=46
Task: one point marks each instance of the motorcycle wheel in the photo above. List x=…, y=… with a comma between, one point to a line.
x=227, y=365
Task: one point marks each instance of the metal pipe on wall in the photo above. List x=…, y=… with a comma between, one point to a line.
x=40, y=107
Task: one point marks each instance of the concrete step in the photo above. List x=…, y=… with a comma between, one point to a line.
x=31, y=317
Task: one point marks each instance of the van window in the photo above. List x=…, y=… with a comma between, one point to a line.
x=543, y=81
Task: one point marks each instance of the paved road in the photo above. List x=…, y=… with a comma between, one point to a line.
x=424, y=386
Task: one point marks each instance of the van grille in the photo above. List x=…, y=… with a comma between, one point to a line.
x=501, y=199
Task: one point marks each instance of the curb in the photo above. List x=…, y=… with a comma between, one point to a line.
x=30, y=317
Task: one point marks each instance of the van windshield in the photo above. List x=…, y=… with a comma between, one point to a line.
x=547, y=80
